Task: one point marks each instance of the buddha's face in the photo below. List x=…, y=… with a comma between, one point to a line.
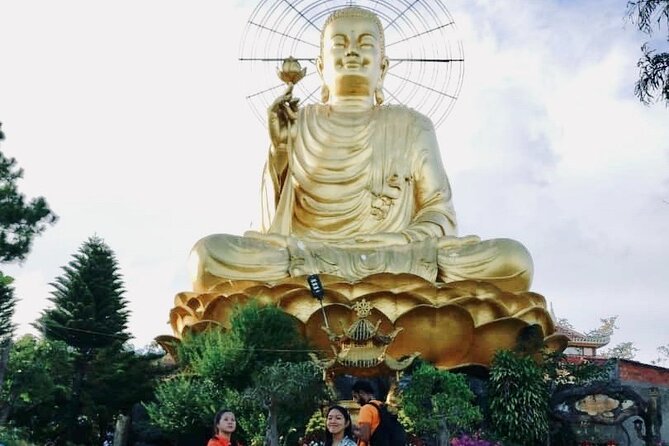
x=352, y=62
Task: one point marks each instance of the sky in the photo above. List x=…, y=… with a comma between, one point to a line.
x=130, y=118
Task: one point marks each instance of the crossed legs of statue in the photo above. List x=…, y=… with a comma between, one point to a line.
x=221, y=257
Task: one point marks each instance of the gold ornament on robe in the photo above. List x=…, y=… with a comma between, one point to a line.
x=360, y=193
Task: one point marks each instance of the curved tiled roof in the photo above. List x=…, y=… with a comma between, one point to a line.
x=582, y=340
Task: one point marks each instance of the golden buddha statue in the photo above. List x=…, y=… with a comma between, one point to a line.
x=359, y=186
x=361, y=198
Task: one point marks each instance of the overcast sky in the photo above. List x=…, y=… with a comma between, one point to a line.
x=130, y=118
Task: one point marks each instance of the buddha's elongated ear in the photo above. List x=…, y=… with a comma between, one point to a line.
x=385, y=65
x=325, y=91
x=378, y=92
x=319, y=66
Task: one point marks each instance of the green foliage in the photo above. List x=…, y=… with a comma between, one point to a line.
x=89, y=307
x=118, y=378
x=185, y=404
x=287, y=392
x=20, y=220
x=406, y=422
x=7, y=304
x=13, y=436
x=35, y=394
x=90, y=316
x=269, y=334
x=261, y=356
x=287, y=384
x=316, y=425
x=653, y=83
x=559, y=372
x=435, y=399
x=259, y=336
x=219, y=356
x=518, y=399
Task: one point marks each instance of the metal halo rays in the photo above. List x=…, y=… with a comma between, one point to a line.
x=426, y=56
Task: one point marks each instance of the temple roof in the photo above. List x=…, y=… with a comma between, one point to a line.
x=578, y=339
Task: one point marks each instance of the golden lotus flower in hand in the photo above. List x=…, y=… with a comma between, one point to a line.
x=291, y=71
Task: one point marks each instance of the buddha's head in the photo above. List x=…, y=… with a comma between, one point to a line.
x=352, y=62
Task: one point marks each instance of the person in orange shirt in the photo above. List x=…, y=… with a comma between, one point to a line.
x=368, y=417
x=225, y=425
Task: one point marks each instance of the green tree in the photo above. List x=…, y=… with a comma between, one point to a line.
x=20, y=222
x=218, y=369
x=90, y=316
x=284, y=388
x=268, y=334
x=518, y=399
x=185, y=404
x=35, y=394
x=653, y=83
x=89, y=305
x=118, y=378
x=437, y=399
x=7, y=305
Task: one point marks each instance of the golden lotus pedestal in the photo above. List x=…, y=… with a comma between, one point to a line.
x=382, y=317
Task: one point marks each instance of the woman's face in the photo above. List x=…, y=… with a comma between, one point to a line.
x=227, y=424
x=336, y=421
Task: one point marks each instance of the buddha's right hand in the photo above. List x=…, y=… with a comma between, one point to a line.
x=280, y=115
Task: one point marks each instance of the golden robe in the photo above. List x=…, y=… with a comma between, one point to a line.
x=346, y=177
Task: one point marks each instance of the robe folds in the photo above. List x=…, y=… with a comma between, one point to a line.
x=344, y=178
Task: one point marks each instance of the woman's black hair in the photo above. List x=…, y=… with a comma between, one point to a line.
x=348, y=430
x=217, y=419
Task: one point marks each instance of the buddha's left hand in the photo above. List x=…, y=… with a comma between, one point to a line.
x=374, y=240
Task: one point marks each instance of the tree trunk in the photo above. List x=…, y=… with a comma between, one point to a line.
x=80, y=364
x=272, y=431
x=5, y=347
x=121, y=431
x=5, y=408
x=444, y=436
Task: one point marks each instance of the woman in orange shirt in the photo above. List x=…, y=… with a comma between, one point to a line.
x=225, y=425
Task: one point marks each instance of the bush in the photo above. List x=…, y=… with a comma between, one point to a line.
x=436, y=399
x=518, y=399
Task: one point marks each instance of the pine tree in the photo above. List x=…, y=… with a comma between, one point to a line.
x=89, y=307
x=90, y=316
x=20, y=222
x=7, y=304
